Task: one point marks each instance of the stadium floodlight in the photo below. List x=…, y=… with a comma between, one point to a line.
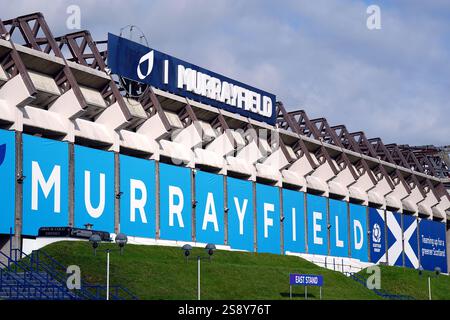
x=121, y=241
x=210, y=249
x=95, y=241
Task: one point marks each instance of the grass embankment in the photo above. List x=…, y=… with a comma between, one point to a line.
x=155, y=272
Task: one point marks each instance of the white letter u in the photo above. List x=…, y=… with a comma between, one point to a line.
x=94, y=212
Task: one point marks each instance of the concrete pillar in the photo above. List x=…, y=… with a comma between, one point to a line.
x=17, y=241
x=117, y=192
x=280, y=190
x=157, y=202
x=447, y=236
x=225, y=211
x=349, y=231
x=305, y=208
x=255, y=220
x=71, y=187
x=193, y=205
x=328, y=229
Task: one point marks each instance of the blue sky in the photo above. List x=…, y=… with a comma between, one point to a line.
x=315, y=55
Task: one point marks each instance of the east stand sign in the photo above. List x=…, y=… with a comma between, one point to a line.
x=305, y=280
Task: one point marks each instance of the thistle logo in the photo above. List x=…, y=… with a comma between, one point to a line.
x=149, y=57
x=376, y=233
x=2, y=153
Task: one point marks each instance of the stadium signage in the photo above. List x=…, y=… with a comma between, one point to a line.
x=140, y=63
x=156, y=202
x=305, y=280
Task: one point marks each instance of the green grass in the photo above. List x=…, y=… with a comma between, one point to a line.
x=405, y=281
x=154, y=272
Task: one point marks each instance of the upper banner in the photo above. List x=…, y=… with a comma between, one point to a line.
x=140, y=63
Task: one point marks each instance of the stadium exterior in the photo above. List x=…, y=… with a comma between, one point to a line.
x=187, y=164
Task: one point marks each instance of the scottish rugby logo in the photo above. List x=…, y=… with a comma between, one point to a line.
x=148, y=57
x=376, y=233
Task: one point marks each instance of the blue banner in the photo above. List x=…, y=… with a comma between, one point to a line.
x=175, y=202
x=240, y=214
x=294, y=221
x=137, y=201
x=317, y=224
x=358, y=232
x=377, y=228
x=209, y=210
x=338, y=213
x=433, y=246
x=268, y=218
x=395, y=241
x=45, y=196
x=137, y=62
x=410, y=243
x=94, y=188
x=8, y=180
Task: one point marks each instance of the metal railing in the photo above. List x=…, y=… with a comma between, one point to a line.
x=380, y=292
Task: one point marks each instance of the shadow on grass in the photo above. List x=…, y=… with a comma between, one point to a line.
x=298, y=295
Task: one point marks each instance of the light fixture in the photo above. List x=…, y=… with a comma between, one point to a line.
x=121, y=240
x=210, y=249
x=95, y=241
x=187, y=250
x=437, y=270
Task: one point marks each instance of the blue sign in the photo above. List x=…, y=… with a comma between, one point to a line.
x=137, y=62
x=268, y=218
x=317, y=224
x=433, y=253
x=209, y=210
x=137, y=201
x=410, y=243
x=175, y=202
x=294, y=221
x=358, y=232
x=309, y=280
x=45, y=196
x=94, y=188
x=338, y=214
x=240, y=214
x=394, y=238
x=377, y=236
x=8, y=180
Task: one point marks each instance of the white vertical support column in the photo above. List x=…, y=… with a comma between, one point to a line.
x=107, y=274
x=198, y=277
x=117, y=192
x=71, y=186
x=17, y=241
x=157, y=203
